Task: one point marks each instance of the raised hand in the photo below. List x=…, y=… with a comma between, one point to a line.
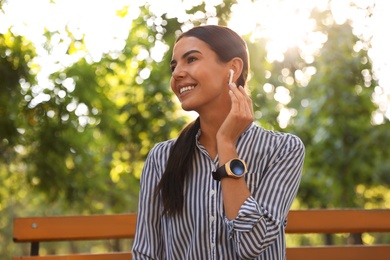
x=239, y=117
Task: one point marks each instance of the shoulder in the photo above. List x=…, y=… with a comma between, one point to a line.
x=157, y=158
x=275, y=138
x=162, y=149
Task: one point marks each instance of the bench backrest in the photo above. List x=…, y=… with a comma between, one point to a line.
x=96, y=227
x=63, y=228
x=331, y=221
x=338, y=221
x=71, y=228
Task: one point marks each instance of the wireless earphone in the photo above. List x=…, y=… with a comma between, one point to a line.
x=231, y=76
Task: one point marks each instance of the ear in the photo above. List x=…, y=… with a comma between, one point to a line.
x=236, y=64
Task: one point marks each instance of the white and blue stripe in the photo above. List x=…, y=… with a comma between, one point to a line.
x=274, y=162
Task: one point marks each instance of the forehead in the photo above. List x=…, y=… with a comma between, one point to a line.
x=186, y=44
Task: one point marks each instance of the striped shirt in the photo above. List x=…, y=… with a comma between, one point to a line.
x=274, y=162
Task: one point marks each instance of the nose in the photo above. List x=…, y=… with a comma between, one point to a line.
x=179, y=73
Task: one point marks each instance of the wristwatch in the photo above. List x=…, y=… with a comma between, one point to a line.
x=235, y=168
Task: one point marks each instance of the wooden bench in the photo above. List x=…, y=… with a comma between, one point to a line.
x=338, y=221
x=73, y=228
x=97, y=227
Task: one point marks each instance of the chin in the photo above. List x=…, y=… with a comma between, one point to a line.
x=190, y=106
x=186, y=108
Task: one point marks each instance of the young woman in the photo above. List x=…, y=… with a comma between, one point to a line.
x=223, y=188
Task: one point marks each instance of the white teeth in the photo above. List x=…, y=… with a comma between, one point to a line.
x=182, y=90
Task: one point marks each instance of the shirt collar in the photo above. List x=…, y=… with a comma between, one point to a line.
x=250, y=127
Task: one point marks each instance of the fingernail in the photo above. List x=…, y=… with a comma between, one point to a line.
x=233, y=85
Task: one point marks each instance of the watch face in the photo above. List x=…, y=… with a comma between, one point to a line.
x=237, y=167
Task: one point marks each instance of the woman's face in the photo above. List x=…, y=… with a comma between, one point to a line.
x=199, y=79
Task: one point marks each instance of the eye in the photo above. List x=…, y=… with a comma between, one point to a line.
x=173, y=68
x=191, y=59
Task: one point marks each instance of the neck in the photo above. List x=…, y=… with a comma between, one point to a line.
x=209, y=126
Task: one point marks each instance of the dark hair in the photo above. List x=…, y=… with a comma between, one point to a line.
x=227, y=45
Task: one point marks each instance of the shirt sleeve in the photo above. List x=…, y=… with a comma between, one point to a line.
x=147, y=242
x=261, y=217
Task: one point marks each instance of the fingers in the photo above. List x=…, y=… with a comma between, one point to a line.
x=240, y=100
x=239, y=117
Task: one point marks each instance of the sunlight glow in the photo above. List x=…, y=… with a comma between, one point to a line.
x=284, y=24
x=287, y=24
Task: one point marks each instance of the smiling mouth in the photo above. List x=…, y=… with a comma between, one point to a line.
x=185, y=89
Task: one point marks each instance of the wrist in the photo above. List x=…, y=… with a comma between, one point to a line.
x=226, y=151
x=226, y=137
x=234, y=168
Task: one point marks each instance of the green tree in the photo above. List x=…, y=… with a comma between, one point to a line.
x=331, y=109
x=345, y=148
x=79, y=143
x=332, y=113
x=15, y=54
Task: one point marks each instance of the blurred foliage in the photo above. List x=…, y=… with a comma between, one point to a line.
x=344, y=147
x=331, y=110
x=77, y=144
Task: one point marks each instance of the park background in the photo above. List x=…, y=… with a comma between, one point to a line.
x=84, y=95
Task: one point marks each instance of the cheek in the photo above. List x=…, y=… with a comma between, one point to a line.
x=211, y=77
x=217, y=80
x=217, y=75
x=171, y=83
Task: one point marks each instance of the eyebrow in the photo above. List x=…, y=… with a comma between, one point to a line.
x=185, y=55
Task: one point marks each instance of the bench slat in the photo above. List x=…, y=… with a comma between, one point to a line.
x=108, y=256
x=377, y=252
x=68, y=228
x=338, y=221
x=74, y=227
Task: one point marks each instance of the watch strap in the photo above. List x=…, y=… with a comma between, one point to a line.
x=220, y=173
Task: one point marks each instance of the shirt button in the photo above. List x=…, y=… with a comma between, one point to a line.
x=212, y=218
x=212, y=245
x=212, y=192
